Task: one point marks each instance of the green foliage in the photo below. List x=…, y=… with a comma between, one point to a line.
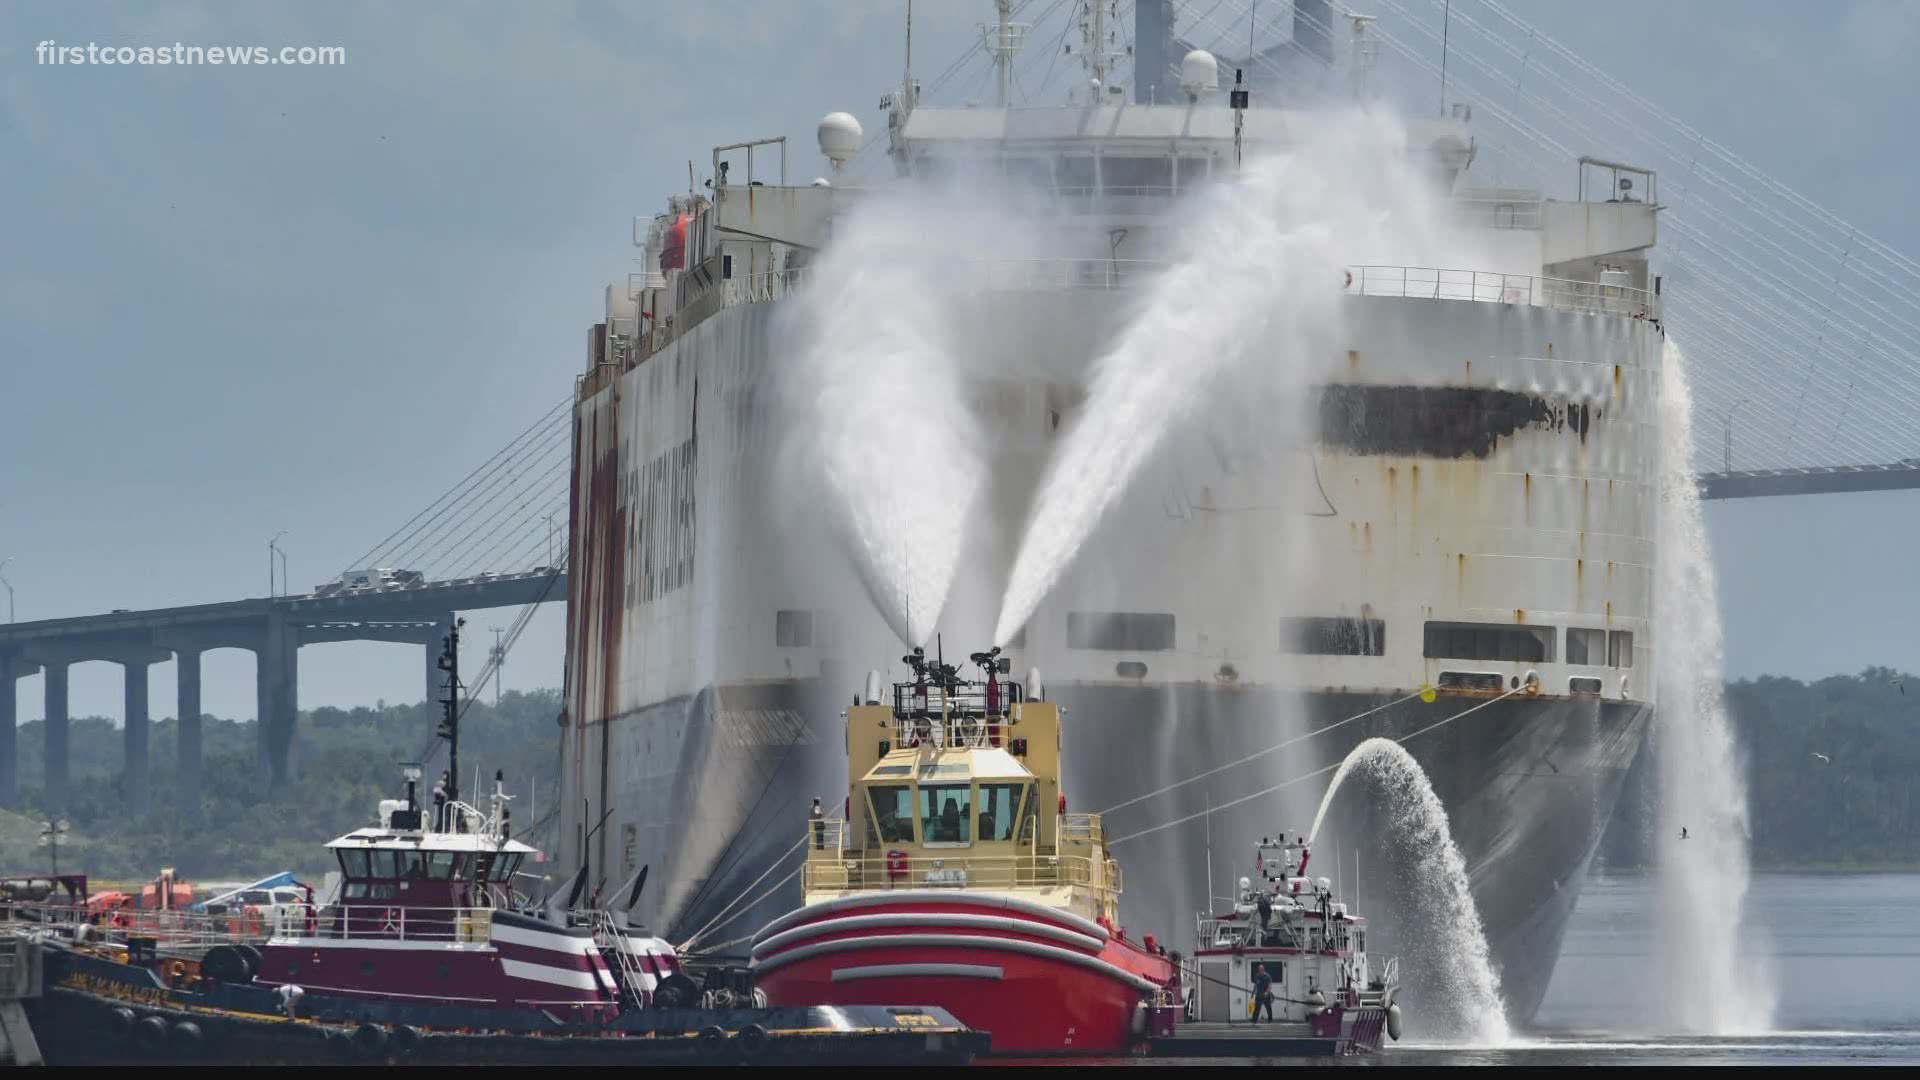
x=1855, y=811
x=344, y=762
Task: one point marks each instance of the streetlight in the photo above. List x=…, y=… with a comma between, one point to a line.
x=8, y=584
x=273, y=552
x=1726, y=453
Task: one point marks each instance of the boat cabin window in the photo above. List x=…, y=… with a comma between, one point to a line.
x=1136, y=175
x=892, y=821
x=440, y=865
x=999, y=810
x=946, y=814
x=353, y=864
x=1029, y=817
x=412, y=864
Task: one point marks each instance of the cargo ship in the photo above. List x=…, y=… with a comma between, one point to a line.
x=1478, y=502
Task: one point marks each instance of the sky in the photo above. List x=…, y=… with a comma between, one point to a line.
x=241, y=301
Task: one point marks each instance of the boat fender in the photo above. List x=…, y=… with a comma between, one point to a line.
x=404, y=1040
x=1137, y=1024
x=188, y=1040
x=713, y=1037
x=752, y=1040
x=370, y=1041
x=1393, y=1022
x=340, y=1045
x=676, y=991
x=151, y=1033
x=120, y=1024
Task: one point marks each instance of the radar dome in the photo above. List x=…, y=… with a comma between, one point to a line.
x=840, y=137
x=1199, y=73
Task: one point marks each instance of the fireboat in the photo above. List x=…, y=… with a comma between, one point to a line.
x=1293, y=935
x=428, y=953
x=956, y=876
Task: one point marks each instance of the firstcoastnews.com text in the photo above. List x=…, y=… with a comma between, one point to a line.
x=179, y=53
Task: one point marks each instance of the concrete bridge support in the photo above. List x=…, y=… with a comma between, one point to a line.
x=138, y=775
x=56, y=749
x=12, y=670
x=187, y=689
x=277, y=690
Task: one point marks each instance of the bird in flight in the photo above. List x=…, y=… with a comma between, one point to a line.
x=1824, y=759
x=1683, y=832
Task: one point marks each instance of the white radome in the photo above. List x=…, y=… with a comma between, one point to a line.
x=840, y=137
x=1199, y=73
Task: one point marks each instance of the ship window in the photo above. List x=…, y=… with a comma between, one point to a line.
x=1620, y=648
x=1136, y=175
x=1028, y=816
x=1489, y=641
x=1334, y=636
x=1193, y=171
x=793, y=629
x=892, y=812
x=384, y=864
x=945, y=814
x=1129, y=631
x=1583, y=686
x=413, y=864
x=353, y=863
x=1074, y=174
x=440, y=865
x=1585, y=645
x=894, y=770
x=998, y=803
x=356, y=890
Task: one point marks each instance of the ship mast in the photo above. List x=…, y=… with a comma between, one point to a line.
x=450, y=707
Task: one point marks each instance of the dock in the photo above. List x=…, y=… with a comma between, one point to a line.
x=1249, y=1040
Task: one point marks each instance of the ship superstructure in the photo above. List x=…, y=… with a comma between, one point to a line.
x=1478, y=502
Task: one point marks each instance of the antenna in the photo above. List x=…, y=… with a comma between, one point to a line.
x=906, y=78
x=1446, y=24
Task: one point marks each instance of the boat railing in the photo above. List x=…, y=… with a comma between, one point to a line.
x=172, y=930
x=1562, y=294
x=830, y=869
x=377, y=922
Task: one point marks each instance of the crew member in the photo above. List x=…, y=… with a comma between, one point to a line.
x=819, y=819
x=290, y=996
x=1262, y=992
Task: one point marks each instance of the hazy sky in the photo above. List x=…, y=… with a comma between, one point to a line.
x=235, y=301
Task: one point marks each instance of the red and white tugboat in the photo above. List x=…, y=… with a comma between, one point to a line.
x=1326, y=997
x=959, y=879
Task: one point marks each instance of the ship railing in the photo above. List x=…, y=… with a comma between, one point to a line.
x=831, y=870
x=174, y=931
x=1561, y=294
x=1496, y=209
x=378, y=922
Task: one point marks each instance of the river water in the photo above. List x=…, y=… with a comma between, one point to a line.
x=1844, y=951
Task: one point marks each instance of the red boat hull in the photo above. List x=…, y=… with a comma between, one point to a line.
x=1040, y=981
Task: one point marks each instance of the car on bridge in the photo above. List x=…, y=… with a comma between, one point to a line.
x=356, y=581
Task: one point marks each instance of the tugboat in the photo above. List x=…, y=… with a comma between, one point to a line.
x=1324, y=995
x=427, y=953
x=956, y=876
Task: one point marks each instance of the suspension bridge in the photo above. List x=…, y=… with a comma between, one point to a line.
x=1801, y=329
